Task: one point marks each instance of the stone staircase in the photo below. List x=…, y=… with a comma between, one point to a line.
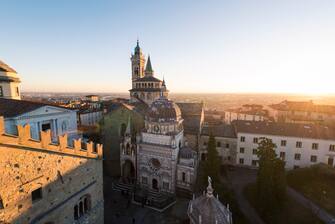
x=154, y=199
x=123, y=187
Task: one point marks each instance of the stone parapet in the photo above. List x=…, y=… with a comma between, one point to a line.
x=88, y=150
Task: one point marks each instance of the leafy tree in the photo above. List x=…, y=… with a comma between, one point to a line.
x=271, y=179
x=212, y=163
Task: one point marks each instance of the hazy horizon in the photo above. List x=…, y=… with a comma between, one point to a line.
x=212, y=46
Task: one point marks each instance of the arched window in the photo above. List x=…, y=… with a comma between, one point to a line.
x=86, y=204
x=82, y=207
x=183, y=176
x=76, y=212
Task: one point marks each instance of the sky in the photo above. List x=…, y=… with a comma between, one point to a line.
x=236, y=46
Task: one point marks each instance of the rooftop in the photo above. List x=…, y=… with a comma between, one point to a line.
x=221, y=130
x=148, y=79
x=312, y=131
x=208, y=209
x=192, y=115
x=13, y=108
x=5, y=68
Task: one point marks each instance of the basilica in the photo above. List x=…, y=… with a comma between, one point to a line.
x=158, y=157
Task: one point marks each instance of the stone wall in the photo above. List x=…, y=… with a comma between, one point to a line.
x=110, y=128
x=46, y=183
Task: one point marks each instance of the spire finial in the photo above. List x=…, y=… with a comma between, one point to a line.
x=209, y=187
x=137, y=42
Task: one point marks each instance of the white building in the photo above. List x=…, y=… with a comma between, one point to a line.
x=238, y=114
x=299, y=145
x=39, y=116
x=90, y=117
x=9, y=83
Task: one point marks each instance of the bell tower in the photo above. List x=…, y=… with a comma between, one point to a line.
x=137, y=64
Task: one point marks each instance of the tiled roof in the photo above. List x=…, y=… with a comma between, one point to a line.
x=285, y=129
x=5, y=68
x=247, y=112
x=12, y=108
x=191, y=108
x=221, y=130
x=191, y=113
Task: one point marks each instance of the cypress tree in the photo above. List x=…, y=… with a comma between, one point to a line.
x=212, y=163
x=271, y=180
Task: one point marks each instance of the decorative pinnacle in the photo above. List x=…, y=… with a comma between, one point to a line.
x=209, y=188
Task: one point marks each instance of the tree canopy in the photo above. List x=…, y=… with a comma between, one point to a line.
x=212, y=163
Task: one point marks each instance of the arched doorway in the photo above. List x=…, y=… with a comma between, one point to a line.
x=154, y=184
x=128, y=171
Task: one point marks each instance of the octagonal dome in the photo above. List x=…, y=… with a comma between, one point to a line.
x=164, y=110
x=207, y=209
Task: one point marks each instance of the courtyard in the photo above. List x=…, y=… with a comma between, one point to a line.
x=120, y=210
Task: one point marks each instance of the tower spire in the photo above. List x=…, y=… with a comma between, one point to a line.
x=163, y=84
x=148, y=68
x=137, y=48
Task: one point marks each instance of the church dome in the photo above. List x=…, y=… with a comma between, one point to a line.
x=164, y=110
x=207, y=209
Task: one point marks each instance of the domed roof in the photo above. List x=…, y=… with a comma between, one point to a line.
x=207, y=209
x=163, y=110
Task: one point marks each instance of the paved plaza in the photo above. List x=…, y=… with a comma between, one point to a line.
x=120, y=210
